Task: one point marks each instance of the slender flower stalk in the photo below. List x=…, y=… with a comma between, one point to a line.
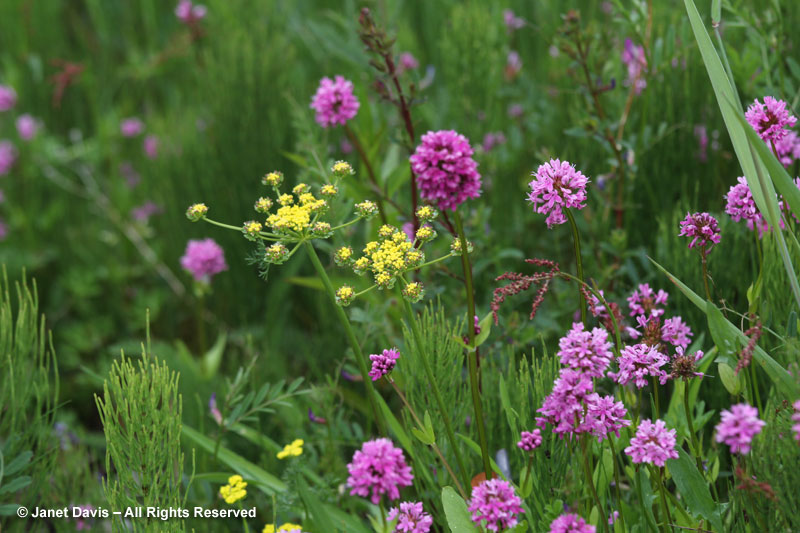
x=576, y=241
x=690, y=422
x=590, y=480
x=616, y=481
x=472, y=354
x=351, y=336
x=426, y=365
x=663, y=493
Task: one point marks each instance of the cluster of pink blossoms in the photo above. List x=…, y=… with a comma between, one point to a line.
x=738, y=426
x=8, y=155
x=645, y=301
x=571, y=523
x=189, y=13
x=653, y=443
x=203, y=259
x=334, y=102
x=633, y=57
x=770, y=119
x=556, y=186
x=446, y=172
x=411, y=518
x=383, y=363
x=703, y=229
x=378, y=468
x=796, y=420
x=8, y=98
x=530, y=440
x=494, y=505
x=586, y=351
x=637, y=363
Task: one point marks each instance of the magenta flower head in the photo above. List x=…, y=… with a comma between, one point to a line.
x=378, y=468
x=570, y=523
x=645, y=301
x=446, y=173
x=586, y=351
x=637, y=363
x=675, y=332
x=604, y=415
x=738, y=426
x=8, y=155
x=512, y=21
x=739, y=202
x=796, y=420
x=383, y=363
x=334, y=102
x=557, y=185
x=788, y=148
x=131, y=127
x=203, y=259
x=150, y=146
x=189, y=13
x=494, y=505
x=8, y=98
x=770, y=119
x=411, y=518
x=563, y=407
x=406, y=61
x=530, y=440
x=634, y=58
x=703, y=229
x=27, y=126
x=653, y=443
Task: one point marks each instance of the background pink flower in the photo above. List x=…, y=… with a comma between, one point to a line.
x=557, y=185
x=131, y=127
x=446, y=173
x=653, y=443
x=203, y=259
x=27, y=126
x=738, y=426
x=8, y=98
x=334, y=102
x=378, y=468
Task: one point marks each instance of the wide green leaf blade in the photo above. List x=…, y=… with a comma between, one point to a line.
x=455, y=509
x=693, y=489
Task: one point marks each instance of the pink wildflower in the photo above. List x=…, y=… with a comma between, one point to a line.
x=131, y=127
x=378, y=468
x=637, y=363
x=796, y=420
x=738, y=426
x=740, y=204
x=446, y=173
x=604, y=415
x=675, y=332
x=703, y=229
x=383, y=363
x=563, y=407
x=27, y=126
x=407, y=61
x=586, y=351
x=150, y=146
x=334, y=102
x=145, y=211
x=571, y=523
x=788, y=148
x=189, y=13
x=557, y=185
x=701, y=134
x=653, y=443
x=634, y=59
x=530, y=440
x=513, y=64
x=494, y=505
x=8, y=155
x=411, y=518
x=645, y=301
x=490, y=140
x=203, y=259
x=770, y=119
x=8, y=98
x=512, y=21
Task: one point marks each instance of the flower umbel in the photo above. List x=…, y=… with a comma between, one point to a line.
x=770, y=119
x=334, y=102
x=494, y=505
x=703, y=229
x=557, y=185
x=653, y=443
x=234, y=490
x=570, y=523
x=293, y=449
x=378, y=468
x=383, y=363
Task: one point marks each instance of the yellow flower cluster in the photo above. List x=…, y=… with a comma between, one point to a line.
x=270, y=528
x=295, y=216
x=196, y=212
x=388, y=257
x=293, y=449
x=234, y=490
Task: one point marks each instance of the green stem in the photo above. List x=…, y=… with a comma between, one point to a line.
x=472, y=354
x=590, y=480
x=617, y=483
x=690, y=421
x=527, y=473
x=576, y=241
x=433, y=384
x=755, y=387
x=705, y=274
x=662, y=491
x=655, y=398
x=351, y=336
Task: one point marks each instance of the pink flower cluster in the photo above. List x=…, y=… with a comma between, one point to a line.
x=407, y=61
x=637, y=363
x=645, y=301
x=383, y=363
x=653, y=443
x=189, y=13
x=788, y=148
x=796, y=420
x=8, y=98
x=8, y=155
x=605, y=415
x=131, y=127
x=512, y=21
x=411, y=518
x=203, y=259
x=378, y=468
x=703, y=229
x=634, y=59
x=530, y=440
x=738, y=426
x=334, y=102
x=446, y=172
x=27, y=126
x=770, y=119
x=675, y=332
x=494, y=505
x=557, y=185
x=570, y=523
x=586, y=351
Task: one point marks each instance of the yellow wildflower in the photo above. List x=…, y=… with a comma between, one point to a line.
x=196, y=212
x=293, y=449
x=234, y=490
x=274, y=178
x=300, y=188
x=286, y=199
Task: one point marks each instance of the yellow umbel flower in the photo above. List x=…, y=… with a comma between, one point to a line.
x=287, y=527
x=263, y=205
x=328, y=190
x=290, y=217
x=274, y=178
x=196, y=212
x=345, y=295
x=286, y=199
x=234, y=490
x=305, y=198
x=426, y=213
x=294, y=449
x=425, y=233
x=342, y=168
x=300, y=188
x=251, y=229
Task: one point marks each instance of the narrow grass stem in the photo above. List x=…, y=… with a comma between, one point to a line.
x=655, y=398
x=527, y=473
x=576, y=241
x=433, y=384
x=690, y=422
x=472, y=354
x=617, y=482
x=351, y=336
x=704, y=257
x=590, y=480
x=663, y=492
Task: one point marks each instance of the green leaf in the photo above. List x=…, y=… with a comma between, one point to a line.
x=9, y=509
x=16, y=465
x=455, y=509
x=400, y=433
x=326, y=516
x=693, y=488
x=16, y=484
x=263, y=480
x=213, y=357
x=729, y=378
x=511, y=414
x=422, y=436
x=486, y=327
x=477, y=450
